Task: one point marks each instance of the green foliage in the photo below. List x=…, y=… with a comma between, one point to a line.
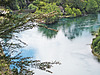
x=14, y=24
x=22, y=4
x=36, y=2
x=50, y=8
x=13, y=5
x=81, y=4
x=98, y=2
x=95, y=41
x=78, y=12
x=97, y=48
x=91, y=6
x=75, y=12
x=39, y=4
x=68, y=10
x=31, y=6
x=51, y=11
x=47, y=1
x=52, y=19
x=84, y=6
x=96, y=44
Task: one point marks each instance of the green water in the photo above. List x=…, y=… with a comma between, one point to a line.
x=70, y=46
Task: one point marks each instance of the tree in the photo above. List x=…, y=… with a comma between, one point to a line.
x=74, y=12
x=31, y=6
x=91, y=6
x=98, y=2
x=68, y=10
x=22, y=4
x=14, y=24
x=51, y=13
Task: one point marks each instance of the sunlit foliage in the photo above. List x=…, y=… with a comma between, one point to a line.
x=96, y=44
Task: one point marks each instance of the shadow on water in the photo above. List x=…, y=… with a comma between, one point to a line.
x=48, y=33
x=73, y=27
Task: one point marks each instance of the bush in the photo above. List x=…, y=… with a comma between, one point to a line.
x=79, y=12
x=47, y=9
x=50, y=20
x=50, y=8
x=95, y=41
x=39, y=4
x=91, y=6
x=36, y=2
x=31, y=6
x=98, y=45
x=42, y=3
x=74, y=12
x=68, y=10
x=13, y=5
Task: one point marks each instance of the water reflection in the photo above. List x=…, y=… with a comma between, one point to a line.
x=69, y=46
x=73, y=27
x=48, y=33
x=75, y=55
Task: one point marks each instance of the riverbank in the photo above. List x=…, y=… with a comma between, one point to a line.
x=96, y=45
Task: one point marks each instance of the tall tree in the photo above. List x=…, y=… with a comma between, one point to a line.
x=14, y=24
x=91, y=6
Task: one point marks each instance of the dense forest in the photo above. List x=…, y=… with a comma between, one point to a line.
x=42, y=11
x=65, y=8
x=70, y=6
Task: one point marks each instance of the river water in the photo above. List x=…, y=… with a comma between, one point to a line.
x=70, y=46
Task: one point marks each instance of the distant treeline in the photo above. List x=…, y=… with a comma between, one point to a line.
x=71, y=8
x=85, y=6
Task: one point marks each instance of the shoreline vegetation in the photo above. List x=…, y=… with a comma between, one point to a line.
x=52, y=10
x=96, y=45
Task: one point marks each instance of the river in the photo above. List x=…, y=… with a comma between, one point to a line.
x=70, y=46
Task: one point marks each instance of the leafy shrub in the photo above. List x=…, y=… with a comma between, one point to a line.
x=48, y=9
x=91, y=6
x=39, y=4
x=42, y=3
x=99, y=32
x=79, y=12
x=68, y=10
x=96, y=45
x=95, y=41
x=31, y=6
x=50, y=20
x=72, y=11
x=36, y=2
